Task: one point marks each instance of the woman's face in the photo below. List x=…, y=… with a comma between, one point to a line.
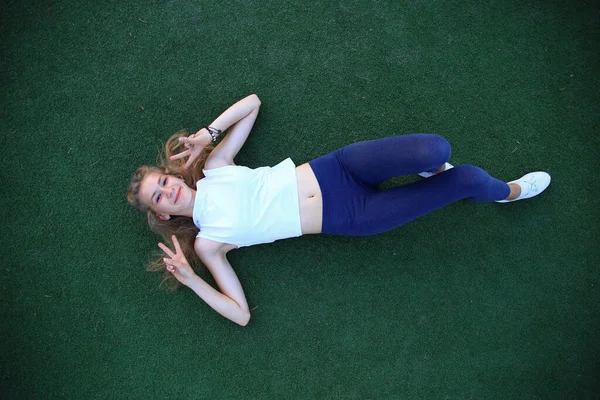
x=166, y=195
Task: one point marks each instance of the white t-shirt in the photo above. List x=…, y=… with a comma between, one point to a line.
x=244, y=206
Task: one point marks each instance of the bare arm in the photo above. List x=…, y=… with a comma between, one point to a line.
x=214, y=256
x=231, y=301
x=240, y=118
x=220, y=302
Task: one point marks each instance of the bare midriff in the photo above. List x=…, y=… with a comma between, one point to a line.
x=310, y=200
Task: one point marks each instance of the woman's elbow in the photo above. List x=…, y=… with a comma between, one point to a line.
x=244, y=319
x=255, y=99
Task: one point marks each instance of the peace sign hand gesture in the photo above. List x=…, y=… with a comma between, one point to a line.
x=177, y=263
x=194, y=143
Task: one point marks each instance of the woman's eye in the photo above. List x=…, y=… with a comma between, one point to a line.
x=158, y=198
x=165, y=181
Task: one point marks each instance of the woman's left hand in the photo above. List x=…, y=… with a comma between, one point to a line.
x=195, y=144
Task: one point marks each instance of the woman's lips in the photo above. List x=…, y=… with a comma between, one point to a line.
x=177, y=195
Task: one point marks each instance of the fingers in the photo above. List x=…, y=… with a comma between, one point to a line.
x=180, y=155
x=187, y=140
x=190, y=161
x=166, y=250
x=170, y=267
x=170, y=262
x=176, y=243
x=180, y=269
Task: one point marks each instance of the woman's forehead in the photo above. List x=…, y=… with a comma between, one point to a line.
x=148, y=186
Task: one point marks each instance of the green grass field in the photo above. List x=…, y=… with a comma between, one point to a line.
x=474, y=301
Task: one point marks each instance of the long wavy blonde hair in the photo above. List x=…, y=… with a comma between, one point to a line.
x=182, y=227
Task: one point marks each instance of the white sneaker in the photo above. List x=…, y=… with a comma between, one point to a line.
x=428, y=174
x=531, y=185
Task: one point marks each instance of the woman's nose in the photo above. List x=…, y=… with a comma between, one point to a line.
x=165, y=190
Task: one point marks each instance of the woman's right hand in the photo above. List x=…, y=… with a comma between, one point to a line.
x=177, y=264
x=195, y=144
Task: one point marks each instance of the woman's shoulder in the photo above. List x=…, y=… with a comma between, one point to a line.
x=226, y=169
x=213, y=163
x=204, y=246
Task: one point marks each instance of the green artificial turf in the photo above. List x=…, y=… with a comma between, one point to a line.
x=483, y=301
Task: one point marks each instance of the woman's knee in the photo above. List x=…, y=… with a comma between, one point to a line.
x=443, y=146
x=434, y=147
x=470, y=175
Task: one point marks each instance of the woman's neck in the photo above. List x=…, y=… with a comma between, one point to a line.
x=189, y=209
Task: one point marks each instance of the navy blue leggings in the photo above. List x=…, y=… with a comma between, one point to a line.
x=354, y=206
